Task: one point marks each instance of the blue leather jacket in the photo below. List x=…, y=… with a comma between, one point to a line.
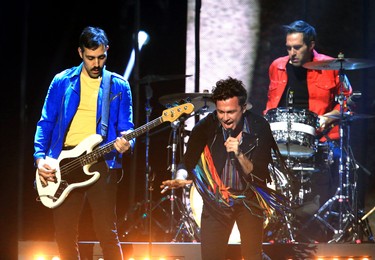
x=61, y=104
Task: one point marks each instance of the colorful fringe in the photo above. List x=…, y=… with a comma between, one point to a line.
x=211, y=188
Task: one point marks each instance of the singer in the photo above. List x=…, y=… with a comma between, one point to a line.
x=227, y=156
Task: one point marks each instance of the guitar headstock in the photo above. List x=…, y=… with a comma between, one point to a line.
x=173, y=113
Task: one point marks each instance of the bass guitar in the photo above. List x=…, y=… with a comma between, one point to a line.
x=69, y=165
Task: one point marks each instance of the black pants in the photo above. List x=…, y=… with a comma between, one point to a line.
x=215, y=232
x=101, y=197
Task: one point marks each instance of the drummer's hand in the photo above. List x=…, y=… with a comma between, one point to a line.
x=174, y=184
x=322, y=122
x=326, y=122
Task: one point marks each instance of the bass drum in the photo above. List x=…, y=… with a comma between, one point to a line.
x=294, y=131
x=194, y=203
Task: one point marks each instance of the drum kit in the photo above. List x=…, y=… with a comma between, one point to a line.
x=294, y=131
x=302, y=154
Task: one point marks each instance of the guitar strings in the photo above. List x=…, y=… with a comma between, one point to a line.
x=97, y=153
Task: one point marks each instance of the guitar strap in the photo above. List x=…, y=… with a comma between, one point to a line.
x=105, y=102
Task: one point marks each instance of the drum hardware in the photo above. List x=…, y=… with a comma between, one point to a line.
x=145, y=218
x=340, y=213
x=282, y=227
x=294, y=131
x=186, y=226
x=203, y=104
x=339, y=63
x=202, y=101
x=363, y=221
x=173, y=169
x=351, y=116
x=345, y=195
x=156, y=78
x=147, y=206
x=180, y=224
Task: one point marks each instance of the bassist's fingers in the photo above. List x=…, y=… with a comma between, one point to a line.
x=43, y=181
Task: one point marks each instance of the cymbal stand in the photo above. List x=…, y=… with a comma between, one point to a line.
x=175, y=125
x=147, y=205
x=184, y=225
x=148, y=188
x=345, y=195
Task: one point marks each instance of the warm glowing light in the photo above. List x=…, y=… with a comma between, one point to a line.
x=45, y=257
x=40, y=257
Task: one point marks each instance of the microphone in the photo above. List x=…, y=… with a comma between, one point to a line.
x=231, y=154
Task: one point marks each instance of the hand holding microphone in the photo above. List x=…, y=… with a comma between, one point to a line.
x=232, y=145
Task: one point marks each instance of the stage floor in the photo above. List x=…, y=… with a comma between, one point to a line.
x=191, y=251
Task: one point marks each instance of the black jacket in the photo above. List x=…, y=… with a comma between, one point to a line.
x=208, y=131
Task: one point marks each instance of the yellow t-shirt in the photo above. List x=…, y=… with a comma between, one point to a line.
x=84, y=121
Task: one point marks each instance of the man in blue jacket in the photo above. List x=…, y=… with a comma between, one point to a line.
x=85, y=107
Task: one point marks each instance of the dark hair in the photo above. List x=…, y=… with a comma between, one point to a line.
x=228, y=88
x=92, y=37
x=300, y=26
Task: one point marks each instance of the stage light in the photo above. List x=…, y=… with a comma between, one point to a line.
x=343, y=258
x=143, y=39
x=45, y=257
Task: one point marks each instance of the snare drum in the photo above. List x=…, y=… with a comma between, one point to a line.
x=194, y=204
x=294, y=131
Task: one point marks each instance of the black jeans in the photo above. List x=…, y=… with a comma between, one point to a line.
x=101, y=197
x=216, y=231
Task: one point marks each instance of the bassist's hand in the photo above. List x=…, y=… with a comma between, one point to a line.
x=46, y=172
x=121, y=144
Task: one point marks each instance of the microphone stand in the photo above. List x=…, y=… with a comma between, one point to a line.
x=148, y=187
x=175, y=125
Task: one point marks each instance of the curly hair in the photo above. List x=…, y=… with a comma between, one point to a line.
x=228, y=88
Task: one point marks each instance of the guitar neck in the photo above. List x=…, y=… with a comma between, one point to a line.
x=103, y=150
x=170, y=115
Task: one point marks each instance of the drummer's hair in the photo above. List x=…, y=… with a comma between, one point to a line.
x=228, y=88
x=299, y=26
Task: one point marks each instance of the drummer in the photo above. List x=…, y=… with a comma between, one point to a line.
x=317, y=90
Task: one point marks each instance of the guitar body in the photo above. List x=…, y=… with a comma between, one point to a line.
x=55, y=193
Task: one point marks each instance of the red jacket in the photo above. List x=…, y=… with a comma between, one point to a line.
x=323, y=86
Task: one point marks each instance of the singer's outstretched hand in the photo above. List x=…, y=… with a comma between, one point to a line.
x=174, y=184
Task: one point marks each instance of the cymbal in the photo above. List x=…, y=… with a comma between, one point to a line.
x=351, y=116
x=155, y=78
x=202, y=101
x=337, y=64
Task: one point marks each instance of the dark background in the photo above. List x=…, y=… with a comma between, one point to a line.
x=39, y=39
